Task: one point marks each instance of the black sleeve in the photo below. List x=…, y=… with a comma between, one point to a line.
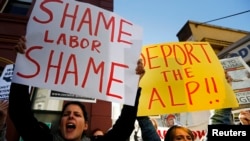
x=124, y=125
x=22, y=116
x=148, y=131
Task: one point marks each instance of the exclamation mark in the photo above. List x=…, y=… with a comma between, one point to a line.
x=211, y=87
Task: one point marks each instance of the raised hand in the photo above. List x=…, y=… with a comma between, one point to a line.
x=21, y=45
x=140, y=69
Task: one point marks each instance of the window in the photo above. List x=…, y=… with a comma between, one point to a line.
x=18, y=7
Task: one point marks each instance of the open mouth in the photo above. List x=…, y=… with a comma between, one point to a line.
x=70, y=126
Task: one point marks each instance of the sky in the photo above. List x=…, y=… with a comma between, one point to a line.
x=161, y=20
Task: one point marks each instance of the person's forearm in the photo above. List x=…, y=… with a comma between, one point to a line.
x=20, y=111
x=19, y=100
x=148, y=131
x=124, y=125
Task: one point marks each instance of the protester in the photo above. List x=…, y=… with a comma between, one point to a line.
x=170, y=120
x=73, y=120
x=96, y=133
x=3, y=116
x=179, y=133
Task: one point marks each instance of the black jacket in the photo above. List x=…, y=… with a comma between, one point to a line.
x=27, y=125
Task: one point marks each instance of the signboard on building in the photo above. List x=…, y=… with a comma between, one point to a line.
x=239, y=48
x=243, y=51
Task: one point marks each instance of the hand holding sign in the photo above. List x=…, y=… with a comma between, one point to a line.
x=21, y=45
x=140, y=69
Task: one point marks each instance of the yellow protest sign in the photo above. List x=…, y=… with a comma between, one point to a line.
x=183, y=77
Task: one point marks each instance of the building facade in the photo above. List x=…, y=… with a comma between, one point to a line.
x=218, y=37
